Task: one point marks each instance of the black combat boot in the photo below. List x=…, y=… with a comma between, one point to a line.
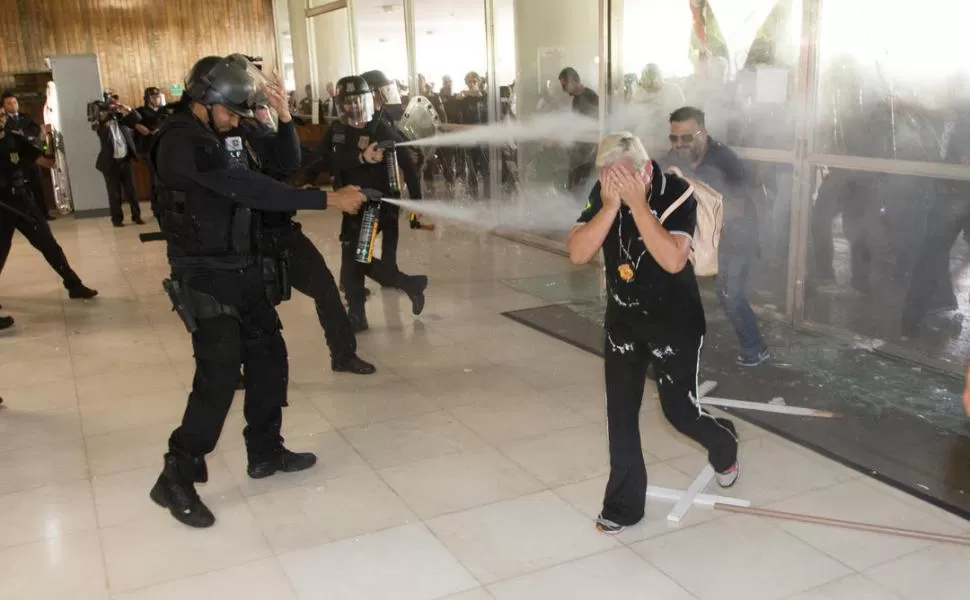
x=281, y=460
x=175, y=490
x=414, y=286
x=352, y=364
x=79, y=291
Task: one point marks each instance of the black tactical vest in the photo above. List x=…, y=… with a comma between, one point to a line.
x=203, y=228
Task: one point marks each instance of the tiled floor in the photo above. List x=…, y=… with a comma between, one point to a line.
x=470, y=467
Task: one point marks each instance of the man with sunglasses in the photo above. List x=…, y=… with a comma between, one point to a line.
x=693, y=149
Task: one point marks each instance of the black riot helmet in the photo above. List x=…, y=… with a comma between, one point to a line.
x=355, y=100
x=387, y=92
x=232, y=81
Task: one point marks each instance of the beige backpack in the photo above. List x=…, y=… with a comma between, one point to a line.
x=710, y=220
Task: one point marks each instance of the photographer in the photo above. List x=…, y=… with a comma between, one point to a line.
x=113, y=122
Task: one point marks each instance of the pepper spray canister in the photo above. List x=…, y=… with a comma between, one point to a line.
x=370, y=221
x=393, y=171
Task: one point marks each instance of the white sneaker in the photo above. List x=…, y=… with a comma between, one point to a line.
x=729, y=477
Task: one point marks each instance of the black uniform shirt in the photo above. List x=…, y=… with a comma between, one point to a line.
x=16, y=153
x=340, y=153
x=641, y=293
x=190, y=156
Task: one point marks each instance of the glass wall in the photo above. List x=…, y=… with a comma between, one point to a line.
x=887, y=250
x=851, y=145
x=452, y=68
x=550, y=35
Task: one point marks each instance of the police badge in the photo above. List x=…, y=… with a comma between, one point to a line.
x=363, y=142
x=14, y=158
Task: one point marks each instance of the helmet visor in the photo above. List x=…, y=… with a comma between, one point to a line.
x=357, y=110
x=239, y=82
x=390, y=94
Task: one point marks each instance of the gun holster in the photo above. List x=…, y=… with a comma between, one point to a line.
x=192, y=306
x=276, y=276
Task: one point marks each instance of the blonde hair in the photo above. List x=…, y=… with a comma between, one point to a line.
x=621, y=144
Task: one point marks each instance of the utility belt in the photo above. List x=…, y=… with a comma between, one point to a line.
x=14, y=186
x=192, y=305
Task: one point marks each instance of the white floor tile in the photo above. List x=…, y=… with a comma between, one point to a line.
x=150, y=550
x=38, y=466
x=68, y=566
x=459, y=481
x=403, y=441
x=853, y=587
x=406, y=563
x=508, y=418
x=46, y=513
x=307, y=516
x=562, y=457
x=256, y=580
x=373, y=404
x=614, y=574
x=518, y=536
x=938, y=572
x=855, y=501
x=741, y=558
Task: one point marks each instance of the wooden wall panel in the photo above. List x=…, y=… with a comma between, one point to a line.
x=139, y=43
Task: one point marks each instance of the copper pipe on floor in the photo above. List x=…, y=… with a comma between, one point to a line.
x=855, y=525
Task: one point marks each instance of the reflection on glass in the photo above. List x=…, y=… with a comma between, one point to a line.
x=888, y=257
x=734, y=59
x=889, y=87
x=452, y=58
x=551, y=35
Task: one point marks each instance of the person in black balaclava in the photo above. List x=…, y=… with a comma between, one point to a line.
x=350, y=152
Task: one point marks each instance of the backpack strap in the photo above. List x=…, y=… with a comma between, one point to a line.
x=683, y=198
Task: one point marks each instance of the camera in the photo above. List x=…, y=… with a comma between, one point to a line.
x=103, y=109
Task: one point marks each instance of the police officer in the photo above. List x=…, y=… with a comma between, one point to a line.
x=19, y=211
x=273, y=139
x=351, y=151
x=209, y=198
x=390, y=111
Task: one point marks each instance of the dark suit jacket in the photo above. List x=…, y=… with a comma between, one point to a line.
x=106, y=161
x=25, y=124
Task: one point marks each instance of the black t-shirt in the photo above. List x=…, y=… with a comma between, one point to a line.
x=723, y=170
x=16, y=155
x=587, y=103
x=641, y=293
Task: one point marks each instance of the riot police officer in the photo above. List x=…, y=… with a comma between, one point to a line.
x=274, y=139
x=19, y=211
x=221, y=285
x=351, y=151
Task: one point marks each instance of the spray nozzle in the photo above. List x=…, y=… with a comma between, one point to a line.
x=388, y=145
x=372, y=195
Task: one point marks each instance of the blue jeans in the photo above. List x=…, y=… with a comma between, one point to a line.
x=732, y=283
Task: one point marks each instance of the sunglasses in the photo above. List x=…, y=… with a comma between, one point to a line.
x=684, y=137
